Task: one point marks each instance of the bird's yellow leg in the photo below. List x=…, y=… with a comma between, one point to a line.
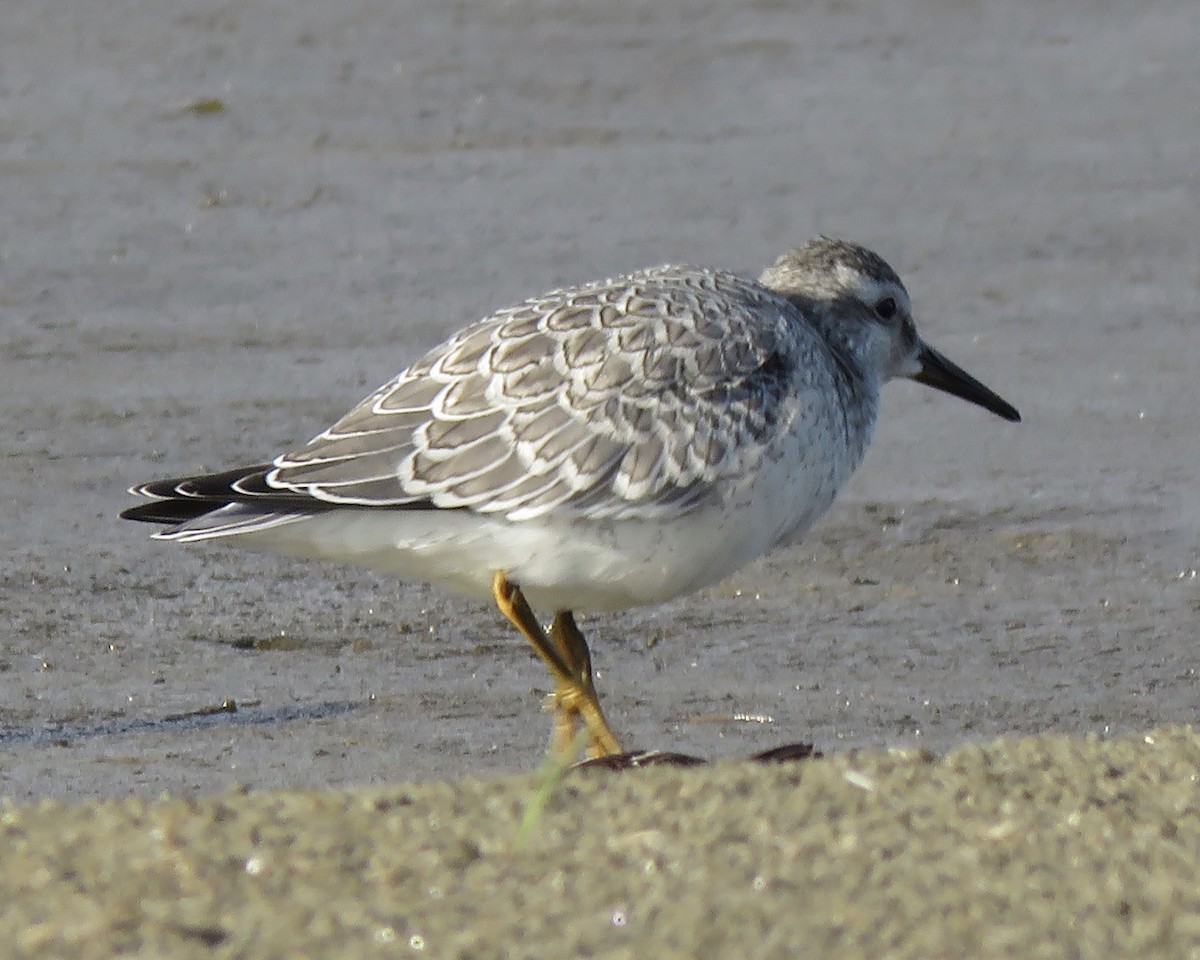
x=569, y=662
x=582, y=697
x=515, y=607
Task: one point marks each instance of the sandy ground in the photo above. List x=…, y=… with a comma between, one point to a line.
x=224, y=224
x=1045, y=847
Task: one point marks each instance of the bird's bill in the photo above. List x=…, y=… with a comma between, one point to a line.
x=938, y=372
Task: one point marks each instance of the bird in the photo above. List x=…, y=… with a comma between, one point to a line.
x=597, y=447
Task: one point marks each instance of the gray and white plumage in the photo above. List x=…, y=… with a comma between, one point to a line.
x=610, y=444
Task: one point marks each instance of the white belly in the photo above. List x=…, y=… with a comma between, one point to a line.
x=577, y=564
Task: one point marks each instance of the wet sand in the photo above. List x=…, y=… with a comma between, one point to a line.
x=226, y=226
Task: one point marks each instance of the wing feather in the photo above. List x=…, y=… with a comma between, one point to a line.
x=630, y=397
x=633, y=397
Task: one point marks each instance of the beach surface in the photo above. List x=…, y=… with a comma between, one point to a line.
x=1044, y=847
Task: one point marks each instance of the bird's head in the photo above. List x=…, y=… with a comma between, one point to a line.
x=861, y=305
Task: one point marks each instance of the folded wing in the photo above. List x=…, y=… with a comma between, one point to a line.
x=626, y=398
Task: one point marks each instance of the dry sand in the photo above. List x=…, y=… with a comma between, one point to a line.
x=1045, y=847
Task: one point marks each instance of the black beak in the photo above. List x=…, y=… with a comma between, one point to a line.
x=941, y=374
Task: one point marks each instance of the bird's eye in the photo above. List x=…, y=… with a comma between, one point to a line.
x=885, y=309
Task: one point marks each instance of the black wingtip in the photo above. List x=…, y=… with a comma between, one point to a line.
x=168, y=511
x=180, y=499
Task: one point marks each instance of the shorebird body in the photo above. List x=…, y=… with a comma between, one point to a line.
x=598, y=447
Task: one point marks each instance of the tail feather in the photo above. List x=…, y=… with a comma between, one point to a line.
x=207, y=506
